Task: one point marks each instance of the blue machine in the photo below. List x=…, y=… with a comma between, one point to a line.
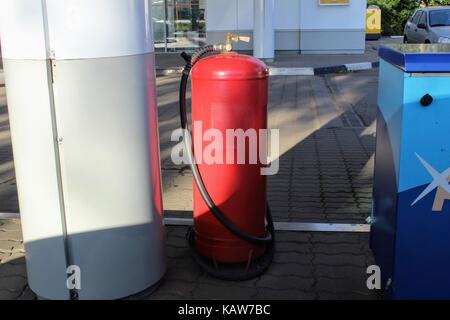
x=411, y=215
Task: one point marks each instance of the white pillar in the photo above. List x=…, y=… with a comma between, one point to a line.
x=80, y=83
x=263, y=31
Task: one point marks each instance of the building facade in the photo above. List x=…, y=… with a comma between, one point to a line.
x=303, y=26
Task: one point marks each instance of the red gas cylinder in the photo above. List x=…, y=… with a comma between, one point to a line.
x=229, y=92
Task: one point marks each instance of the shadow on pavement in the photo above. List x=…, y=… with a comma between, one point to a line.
x=326, y=166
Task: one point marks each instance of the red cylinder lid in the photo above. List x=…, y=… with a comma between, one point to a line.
x=230, y=66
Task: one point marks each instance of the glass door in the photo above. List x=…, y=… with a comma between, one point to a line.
x=179, y=24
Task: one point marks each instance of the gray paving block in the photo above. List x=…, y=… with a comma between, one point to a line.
x=183, y=269
x=300, y=237
x=342, y=209
x=269, y=294
x=177, y=231
x=27, y=294
x=11, y=225
x=299, y=210
x=8, y=295
x=327, y=237
x=7, y=245
x=293, y=257
x=10, y=234
x=13, y=283
x=348, y=218
x=337, y=248
x=291, y=269
x=353, y=285
x=8, y=269
x=207, y=279
x=15, y=258
x=293, y=247
x=340, y=272
x=211, y=292
x=181, y=289
x=286, y=282
x=340, y=260
x=177, y=253
x=177, y=242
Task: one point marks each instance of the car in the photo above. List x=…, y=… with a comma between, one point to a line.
x=428, y=25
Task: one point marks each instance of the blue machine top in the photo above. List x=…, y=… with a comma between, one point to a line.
x=423, y=58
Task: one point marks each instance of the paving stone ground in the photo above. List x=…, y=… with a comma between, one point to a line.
x=327, y=144
x=306, y=266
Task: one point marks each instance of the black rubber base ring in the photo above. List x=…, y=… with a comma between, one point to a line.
x=228, y=271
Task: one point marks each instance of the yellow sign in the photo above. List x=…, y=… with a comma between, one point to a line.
x=373, y=21
x=334, y=2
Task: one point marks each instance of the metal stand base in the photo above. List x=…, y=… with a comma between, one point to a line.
x=290, y=226
x=231, y=272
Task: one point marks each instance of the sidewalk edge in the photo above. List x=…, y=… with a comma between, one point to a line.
x=307, y=71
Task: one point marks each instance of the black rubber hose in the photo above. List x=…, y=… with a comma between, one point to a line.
x=269, y=238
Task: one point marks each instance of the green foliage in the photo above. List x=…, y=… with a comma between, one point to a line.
x=395, y=13
x=436, y=2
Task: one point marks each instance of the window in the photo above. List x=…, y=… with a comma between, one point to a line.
x=423, y=18
x=416, y=17
x=440, y=18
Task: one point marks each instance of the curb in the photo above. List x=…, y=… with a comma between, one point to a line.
x=351, y=67
x=169, y=71
x=273, y=71
x=279, y=226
